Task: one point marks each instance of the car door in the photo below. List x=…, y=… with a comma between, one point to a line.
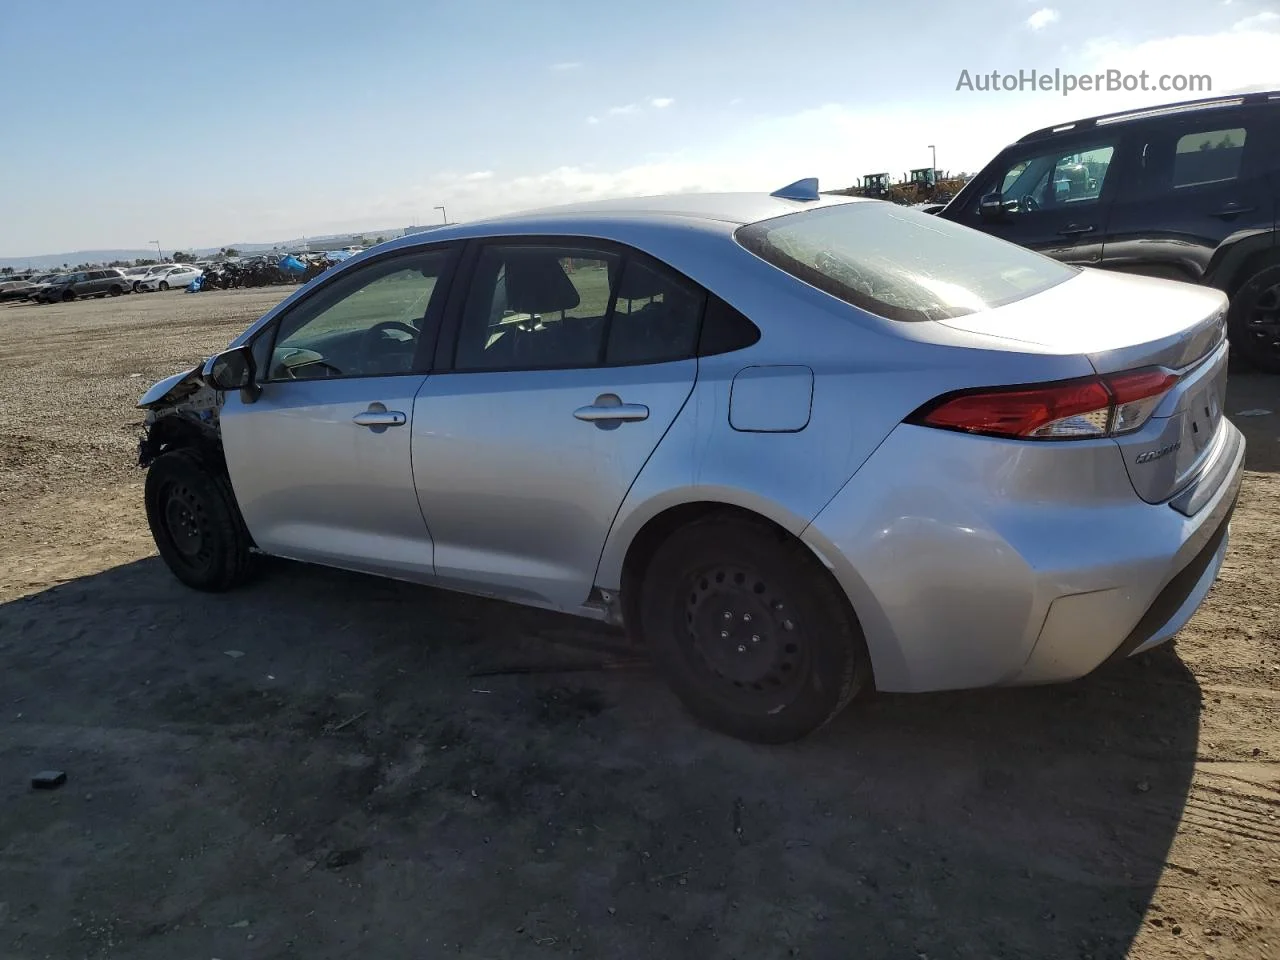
x=567, y=362
x=320, y=458
x=1056, y=197
x=1192, y=183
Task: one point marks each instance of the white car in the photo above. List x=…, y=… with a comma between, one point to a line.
x=168, y=277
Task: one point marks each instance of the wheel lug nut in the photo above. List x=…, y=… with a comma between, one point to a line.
x=746, y=618
x=741, y=648
x=755, y=639
x=728, y=615
x=724, y=634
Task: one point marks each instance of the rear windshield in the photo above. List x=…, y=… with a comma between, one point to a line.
x=899, y=263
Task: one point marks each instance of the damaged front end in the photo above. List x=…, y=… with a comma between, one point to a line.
x=182, y=411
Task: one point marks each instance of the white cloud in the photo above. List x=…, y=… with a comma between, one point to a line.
x=566, y=65
x=1042, y=18
x=1258, y=21
x=623, y=110
x=735, y=101
x=593, y=119
x=479, y=175
x=661, y=102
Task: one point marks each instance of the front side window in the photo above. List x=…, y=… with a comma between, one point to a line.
x=900, y=263
x=1055, y=179
x=365, y=324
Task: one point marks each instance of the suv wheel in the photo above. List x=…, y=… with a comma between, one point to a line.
x=1255, y=319
x=68, y=296
x=195, y=522
x=115, y=290
x=754, y=636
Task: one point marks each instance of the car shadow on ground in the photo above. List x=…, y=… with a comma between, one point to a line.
x=323, y=764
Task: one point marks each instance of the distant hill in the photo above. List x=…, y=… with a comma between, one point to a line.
x=52, y=261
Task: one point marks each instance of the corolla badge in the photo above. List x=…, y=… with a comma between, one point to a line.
x=1159, y=452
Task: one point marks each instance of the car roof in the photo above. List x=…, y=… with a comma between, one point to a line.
x=1161, y=111
x=725, y=210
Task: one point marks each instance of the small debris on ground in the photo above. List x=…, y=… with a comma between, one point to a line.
x=234, y=654
x=48, y=780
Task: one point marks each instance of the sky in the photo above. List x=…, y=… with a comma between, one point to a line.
x=245, y=121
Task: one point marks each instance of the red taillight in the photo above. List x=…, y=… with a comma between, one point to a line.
x=1069, y=409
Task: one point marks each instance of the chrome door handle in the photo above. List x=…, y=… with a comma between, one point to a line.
x=1073, y=230
x=380, y=418
x=609, y=409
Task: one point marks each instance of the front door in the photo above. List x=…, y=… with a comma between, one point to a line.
x=320, y=460
x=1191, y=184
x=1056, y=199
x=572, y=360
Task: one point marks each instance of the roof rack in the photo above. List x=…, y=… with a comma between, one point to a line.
x=1165, y=109
x=806, y=189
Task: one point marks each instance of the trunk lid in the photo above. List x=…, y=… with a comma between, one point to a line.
x=1124, y=322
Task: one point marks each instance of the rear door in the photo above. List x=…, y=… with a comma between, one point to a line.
x=1192, y=183
x=568, y=362
x=1057, y=197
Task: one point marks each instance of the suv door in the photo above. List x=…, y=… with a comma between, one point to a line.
x=319, y=461
x=1056, y=197
x=1192, y=183
x=569, y=361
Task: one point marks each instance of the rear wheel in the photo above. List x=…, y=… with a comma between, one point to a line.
x=195, y=522
x=1255, y=320
x=754, y=636
x=115, y=290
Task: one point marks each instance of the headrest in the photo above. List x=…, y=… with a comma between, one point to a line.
x=537, y=283
x=641, y=283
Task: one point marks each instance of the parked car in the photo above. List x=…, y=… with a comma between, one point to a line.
x=1189, y=192
x=799, y=446
x=176, y=276
x=42, y=283
x=84, y=283
x=15, y=288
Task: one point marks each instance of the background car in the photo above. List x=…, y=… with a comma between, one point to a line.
x=171, y=277
x=799, y=446
x=85, y=283
x=16, y=288
x=1187, y=191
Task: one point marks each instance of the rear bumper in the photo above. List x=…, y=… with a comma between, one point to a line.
x=979, y=563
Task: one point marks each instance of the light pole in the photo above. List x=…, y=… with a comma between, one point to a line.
x=935, y=162
x=444, y=216
x=158, y=253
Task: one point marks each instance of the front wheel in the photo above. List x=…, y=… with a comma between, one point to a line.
x=68, y=296
x=752, y=633
x=1255, y=320
x=195, y=522
x=164, y=285
x=115, y=291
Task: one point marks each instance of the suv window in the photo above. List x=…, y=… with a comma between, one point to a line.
x=1055, y=179
x=366, y=323
x=1209, y=157
x=900, y=263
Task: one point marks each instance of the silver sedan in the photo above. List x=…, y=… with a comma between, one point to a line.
x=799, y=446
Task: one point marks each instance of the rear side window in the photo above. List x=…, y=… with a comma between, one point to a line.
x=900, y=263
x=1209, y=157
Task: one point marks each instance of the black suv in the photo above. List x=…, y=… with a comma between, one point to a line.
x=85, y=283
x=1188, y=191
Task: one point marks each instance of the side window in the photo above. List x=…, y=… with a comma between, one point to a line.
x=1210, y=157
x=536, y=307
x=365, y=324
x=1056, y=179
x=656, y=316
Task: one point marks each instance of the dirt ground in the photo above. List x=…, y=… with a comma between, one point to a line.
x=325, y=765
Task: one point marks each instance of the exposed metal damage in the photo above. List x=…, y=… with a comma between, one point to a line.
x=182, y=410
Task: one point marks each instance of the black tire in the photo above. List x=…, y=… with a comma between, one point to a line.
x=115, y=290
x=727, y=587
x=1254, y=320
x=135, y=285
x=195, y=522
x=164, y=285
x=68, y=296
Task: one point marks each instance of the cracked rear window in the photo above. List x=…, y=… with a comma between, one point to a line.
x=900, y=263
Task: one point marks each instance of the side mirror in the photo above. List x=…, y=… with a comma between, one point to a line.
x=232, y=370
x=991, y=206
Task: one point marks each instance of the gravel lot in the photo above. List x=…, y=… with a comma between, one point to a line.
x=326, y=765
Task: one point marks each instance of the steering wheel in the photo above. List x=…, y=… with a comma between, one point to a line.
x=367, y=350
x=1030, y=204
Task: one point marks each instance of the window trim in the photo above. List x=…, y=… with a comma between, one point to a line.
x=447, y=354
x=422, y=353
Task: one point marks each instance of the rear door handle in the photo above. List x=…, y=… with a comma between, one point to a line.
x=1075, y=229
x=609, y=410
x=1233, y=210
x=380, y=418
